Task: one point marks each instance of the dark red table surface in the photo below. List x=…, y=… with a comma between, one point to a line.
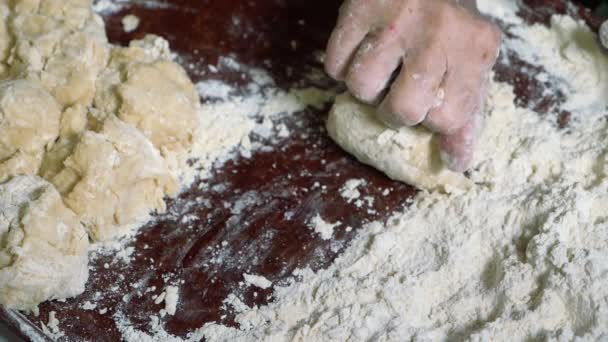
x=261, y=239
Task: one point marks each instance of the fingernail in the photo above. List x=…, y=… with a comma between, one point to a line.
x=452, y=162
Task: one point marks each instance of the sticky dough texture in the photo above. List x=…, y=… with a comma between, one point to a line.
x=410, y=154
x=103, y=130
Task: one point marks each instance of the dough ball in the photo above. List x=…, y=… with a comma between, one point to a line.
x=114, y=179
x=29, y=122
x=144, y=88
x=409, y=155
x=43, y=246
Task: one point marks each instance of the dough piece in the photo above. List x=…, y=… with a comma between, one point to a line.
x=29, y=122
x=43, y=246
x=5, y=38
x=62, y=44
x=114, y=179
x=152, y=93
x=108, y=127
x=408, y=155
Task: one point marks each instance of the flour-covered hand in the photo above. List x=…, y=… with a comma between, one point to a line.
x=422, y=62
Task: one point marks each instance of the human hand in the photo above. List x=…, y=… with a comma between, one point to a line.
x=604, y=34
x=445, y=50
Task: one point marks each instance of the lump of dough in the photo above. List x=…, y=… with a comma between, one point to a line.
x=43, y=246
x=409, y=154
x=71, y=75
x=160, y=100
x=144, y=88
x=5, y=38
x=62, y=44
x=29, y=122
x=114, y=179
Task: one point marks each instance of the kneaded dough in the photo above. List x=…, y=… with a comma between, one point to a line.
x=43, y=246
x=151, y=93
x=5, y=38
x=108, y=128
x=409, y=155
x=114, y=179
x=29, y=122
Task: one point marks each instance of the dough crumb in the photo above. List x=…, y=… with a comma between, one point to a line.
x=130, y=23
x=171, y=299
x=51, y=329
x=350, y=191
x=257, y=281
x=323, y=228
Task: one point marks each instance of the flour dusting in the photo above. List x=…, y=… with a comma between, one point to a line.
x=521, y=256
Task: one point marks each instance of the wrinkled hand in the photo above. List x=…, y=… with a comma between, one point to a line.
x=445, y=50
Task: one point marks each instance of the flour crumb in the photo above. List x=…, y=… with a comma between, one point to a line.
x=257, y=281
x=323, y=228
x=160, y=298
x=51, y=329
x=88, y=306
x=350, y=191
x=214, y=89
x=171, y=299
x=130, y=23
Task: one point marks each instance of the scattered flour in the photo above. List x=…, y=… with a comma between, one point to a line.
x=522, y=256
x=323, y=228
x=257, y=281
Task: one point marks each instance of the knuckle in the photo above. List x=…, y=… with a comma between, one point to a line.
x=408, y=112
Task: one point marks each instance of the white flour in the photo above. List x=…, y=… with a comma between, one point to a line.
x=522, y=256
x=257, y=281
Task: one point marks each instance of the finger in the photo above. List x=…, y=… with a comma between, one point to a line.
x=457, y=149
x=350, y=30
x=456, y=99
x=414, y=92
x=373, y=65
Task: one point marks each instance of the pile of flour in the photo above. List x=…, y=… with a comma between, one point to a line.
x=524, y=255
